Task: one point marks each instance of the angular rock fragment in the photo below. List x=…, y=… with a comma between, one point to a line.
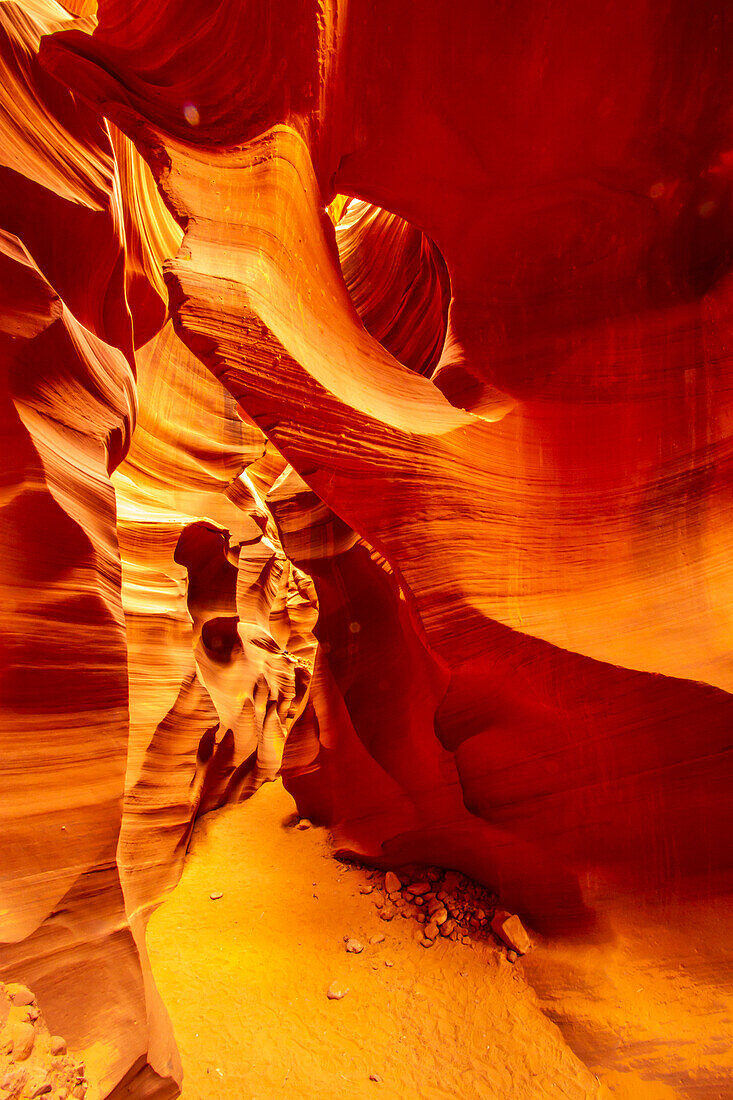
x=391, y=882
x=510, y=930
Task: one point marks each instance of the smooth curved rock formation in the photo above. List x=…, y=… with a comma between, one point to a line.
x=426, y=326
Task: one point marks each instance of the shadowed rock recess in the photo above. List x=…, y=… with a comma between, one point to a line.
x=367, y=427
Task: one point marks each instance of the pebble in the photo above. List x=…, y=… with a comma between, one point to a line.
x=335, y=992
x=379, y=938
x=431, y=930
x=510, y=930
x=512, y=956
x=304, y=823
x=388, y=962
x=354, y=947
x=426, y=942
x=440, y=916
x=42, y=1090
x=20, y=1014
x=20, y=994
x=447, y=927
x=375, y=1077
x=215, y=897
x=366, y=888
x=391, y=882
x=23, y=1039
x=387, y=913
x=14, y=1081
x=58, y=1045
x=417, y=888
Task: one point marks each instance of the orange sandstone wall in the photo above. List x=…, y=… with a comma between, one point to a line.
x=483, y=423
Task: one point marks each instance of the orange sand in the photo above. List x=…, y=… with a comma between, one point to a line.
x=245, y=980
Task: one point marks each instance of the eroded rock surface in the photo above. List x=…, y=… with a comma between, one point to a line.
x=423, y=331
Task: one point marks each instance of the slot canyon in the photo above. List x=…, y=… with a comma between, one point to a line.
x=366, y=617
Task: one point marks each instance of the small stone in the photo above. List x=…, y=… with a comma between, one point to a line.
x=426, y=942
x=354, y=947
x=421, y=918
x=42, y=1090
x=509, y=929
x=335, y=992
x=379, y=938
x=440, y=916
x=375, y=1077
x=20, y=994
x=431, y=930
x=19, y=1014
x=418, y=900
x=304, y=823
x=466, y=940
x=391, y=882
x=366, y=888
x=388, y=962
x=23, y=1039
x=58, y=1045
x=387, y=913
x=14, y=1081
x=512, y=956
x=417, y=888
x=216, y=896
x=394, y=895
x=447, y=927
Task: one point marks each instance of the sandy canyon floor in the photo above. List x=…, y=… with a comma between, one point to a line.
x=245, y=979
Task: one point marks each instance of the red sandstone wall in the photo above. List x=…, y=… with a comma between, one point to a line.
x=512, y=507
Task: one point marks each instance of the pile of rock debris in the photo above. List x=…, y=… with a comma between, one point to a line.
x=34, y=1063
x=446, y=904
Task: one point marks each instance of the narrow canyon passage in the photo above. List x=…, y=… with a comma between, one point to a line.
x=366, y=459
